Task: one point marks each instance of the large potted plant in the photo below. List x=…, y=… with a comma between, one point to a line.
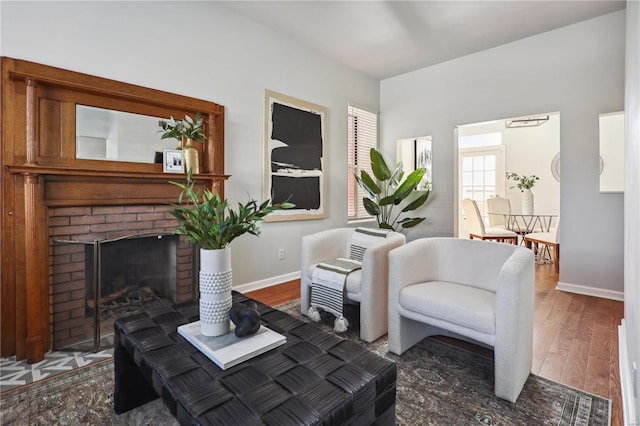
x=387, y=191
x=209, y=222
x=524, y=184
x=185, y=132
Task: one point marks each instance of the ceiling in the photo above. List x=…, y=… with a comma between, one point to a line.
x=388, y=38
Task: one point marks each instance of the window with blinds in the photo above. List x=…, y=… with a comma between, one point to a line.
x=362, y=136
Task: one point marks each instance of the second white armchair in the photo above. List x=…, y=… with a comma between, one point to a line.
x=472, y=290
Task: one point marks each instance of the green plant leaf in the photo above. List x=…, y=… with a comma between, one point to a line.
x=408, y=185
x=387, y=200
x=371, y=207
x=417, y=202
x=286, y=205
x=396, y=176
x=363, y=186
x=410, y=223
x=369, y=183
x=379, y=166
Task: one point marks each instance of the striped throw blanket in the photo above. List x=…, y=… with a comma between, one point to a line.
x=362, y=239
x=329, y=278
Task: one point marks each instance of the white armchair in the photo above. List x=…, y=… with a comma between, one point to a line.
x=366, y=286
x=468, y=289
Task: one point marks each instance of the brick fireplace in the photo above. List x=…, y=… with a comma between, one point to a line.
x=50, y=193
x=73, y=233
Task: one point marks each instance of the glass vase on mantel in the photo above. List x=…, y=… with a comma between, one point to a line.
x=527, y=201
x=190, y=156
x=215, y=291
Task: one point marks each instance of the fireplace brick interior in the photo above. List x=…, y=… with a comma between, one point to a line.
x=68, y=278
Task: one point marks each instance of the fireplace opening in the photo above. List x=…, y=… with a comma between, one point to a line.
x=133, y=271
x=121, y=277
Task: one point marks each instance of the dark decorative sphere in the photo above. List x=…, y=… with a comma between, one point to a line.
x=246, y=318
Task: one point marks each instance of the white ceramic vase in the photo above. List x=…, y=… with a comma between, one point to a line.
x=527, y=202
x=215, y=291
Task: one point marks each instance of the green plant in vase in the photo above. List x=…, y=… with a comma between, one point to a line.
x=185, y=132
x=209, y=222
x=522, y=182
x=387, y=190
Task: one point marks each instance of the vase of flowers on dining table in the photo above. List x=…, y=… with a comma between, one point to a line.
x=524, y=184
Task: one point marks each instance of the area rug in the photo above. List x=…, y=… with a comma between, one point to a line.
x=437, y=384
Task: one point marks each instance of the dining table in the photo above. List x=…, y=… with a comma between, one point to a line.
x=523, y=224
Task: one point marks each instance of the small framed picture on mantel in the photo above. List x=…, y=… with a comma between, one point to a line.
x=172, y=161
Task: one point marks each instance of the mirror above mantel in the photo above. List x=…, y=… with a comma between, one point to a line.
x=78, y=121
x=103, y=134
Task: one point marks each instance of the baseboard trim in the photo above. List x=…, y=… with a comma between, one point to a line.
x=267, y=282
x=626, y=378
x=591, y=291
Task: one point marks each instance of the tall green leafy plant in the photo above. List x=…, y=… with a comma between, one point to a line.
x=188, y=128
x=209, y=222
x=387, y=190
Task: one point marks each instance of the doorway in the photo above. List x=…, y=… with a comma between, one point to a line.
x=489, y=150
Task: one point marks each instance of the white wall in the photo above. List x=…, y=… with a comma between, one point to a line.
x=577, y=71
x=631, y=332
x=203, y=50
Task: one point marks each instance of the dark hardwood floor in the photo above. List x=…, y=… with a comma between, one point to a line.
x=575, y=339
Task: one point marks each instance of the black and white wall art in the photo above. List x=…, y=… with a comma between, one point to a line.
x=295, y=156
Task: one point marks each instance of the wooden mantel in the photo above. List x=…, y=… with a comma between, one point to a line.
x=40, y=170
x=78, y=187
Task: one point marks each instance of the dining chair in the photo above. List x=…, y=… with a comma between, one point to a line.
x=476, y=227
x=550, y=240
x=497, y=207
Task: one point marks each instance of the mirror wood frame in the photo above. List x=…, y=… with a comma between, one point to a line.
x=55, y=92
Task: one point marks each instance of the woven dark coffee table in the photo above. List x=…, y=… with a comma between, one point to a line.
x=316, y=378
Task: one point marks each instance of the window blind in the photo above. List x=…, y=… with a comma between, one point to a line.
x=362, y=130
